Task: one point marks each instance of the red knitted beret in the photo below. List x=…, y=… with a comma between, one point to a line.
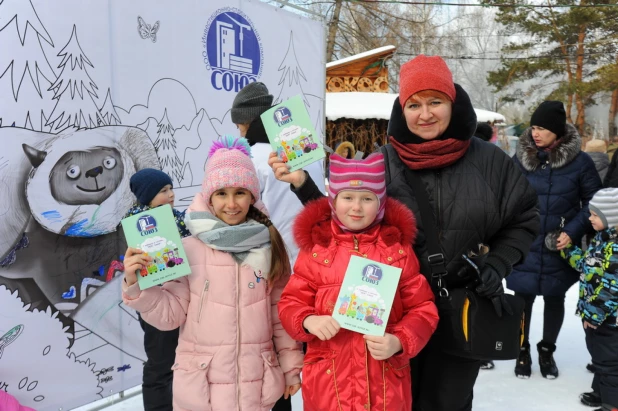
x=425, y=73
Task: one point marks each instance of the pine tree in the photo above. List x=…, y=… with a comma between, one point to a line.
x=25, y=72
x=563, y=47
x=292, y=76
x=74, y=90
x=165, y=146
x=109, y=116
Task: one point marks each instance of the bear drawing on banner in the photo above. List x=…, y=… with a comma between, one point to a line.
x=62, y=197
x=77, y=191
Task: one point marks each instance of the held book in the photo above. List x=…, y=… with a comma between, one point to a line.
x=366, y=296
x=291, y=134
x=154, y=231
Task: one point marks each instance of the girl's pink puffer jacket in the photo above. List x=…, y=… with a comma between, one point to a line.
x=233, y=353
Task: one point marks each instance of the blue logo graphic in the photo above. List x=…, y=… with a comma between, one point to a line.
x=282, y=116
x=232, y=50
x=372, y=274
x=146, y=225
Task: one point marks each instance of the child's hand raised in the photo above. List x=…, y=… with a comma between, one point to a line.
x=383, y=348
x=324, y=327
x=134, y=260
x=291, y=390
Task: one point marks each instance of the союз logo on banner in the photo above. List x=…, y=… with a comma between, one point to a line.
x=232, y=50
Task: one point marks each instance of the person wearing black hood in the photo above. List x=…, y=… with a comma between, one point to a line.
x=477, y=194
x=484, y=131
x=565, y=179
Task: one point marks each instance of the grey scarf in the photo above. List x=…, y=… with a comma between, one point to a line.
x=248, y=243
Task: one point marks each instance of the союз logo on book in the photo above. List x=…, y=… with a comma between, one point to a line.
x=232, y=50
x=282, y=116
x=147, y=225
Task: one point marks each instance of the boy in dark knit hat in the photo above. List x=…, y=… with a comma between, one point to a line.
x=598, y=297
x=153, y=188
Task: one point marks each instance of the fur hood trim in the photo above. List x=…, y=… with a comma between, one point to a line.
x=569, y=147
x=343, y=146
x=313, y=225
x=88, y=220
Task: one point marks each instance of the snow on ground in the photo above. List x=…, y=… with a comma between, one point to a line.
x=499, y=389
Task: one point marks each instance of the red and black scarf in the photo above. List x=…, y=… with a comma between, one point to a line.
x=431, y=154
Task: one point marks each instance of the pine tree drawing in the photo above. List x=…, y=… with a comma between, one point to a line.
x=109, y=116
x=165, y=146
x=25, y=71
x=292, y=76
x=74, y=90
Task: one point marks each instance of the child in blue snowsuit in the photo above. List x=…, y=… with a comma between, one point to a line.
x=598, y=297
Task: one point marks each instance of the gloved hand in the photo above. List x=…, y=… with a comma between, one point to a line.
x=491, y=287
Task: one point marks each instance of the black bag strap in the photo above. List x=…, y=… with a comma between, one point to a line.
x=435, y=258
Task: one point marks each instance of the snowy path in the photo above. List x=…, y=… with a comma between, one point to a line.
x=498, y=389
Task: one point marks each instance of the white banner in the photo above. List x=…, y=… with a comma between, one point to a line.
x=91, y=92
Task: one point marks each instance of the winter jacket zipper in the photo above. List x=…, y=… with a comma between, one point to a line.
x=439, y=204
x=547, y=164
x=355, y=243
x=238, y=336
x=204, y=291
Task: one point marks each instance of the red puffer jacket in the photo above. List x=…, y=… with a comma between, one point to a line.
x=340, y=374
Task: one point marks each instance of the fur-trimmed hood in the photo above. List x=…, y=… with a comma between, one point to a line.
x=343, y=146
x=561, y=155
x=313, y=225
x=87, y=219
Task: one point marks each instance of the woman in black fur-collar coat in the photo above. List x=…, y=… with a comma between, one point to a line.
x=565, y=178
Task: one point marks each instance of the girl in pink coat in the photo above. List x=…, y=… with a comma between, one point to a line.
x=233, y=353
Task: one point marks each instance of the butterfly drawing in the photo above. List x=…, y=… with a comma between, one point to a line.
x=146, y=31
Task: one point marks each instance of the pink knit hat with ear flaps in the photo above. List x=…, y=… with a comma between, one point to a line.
x=425, y=73
x=229, y=165
x=357, y=175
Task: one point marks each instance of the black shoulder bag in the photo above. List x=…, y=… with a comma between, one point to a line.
x=469, y=326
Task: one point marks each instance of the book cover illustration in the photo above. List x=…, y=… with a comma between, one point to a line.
x=291, y=134
x=366, y=296
x=155, y=232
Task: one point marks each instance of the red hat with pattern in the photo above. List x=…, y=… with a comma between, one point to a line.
x=357, y=175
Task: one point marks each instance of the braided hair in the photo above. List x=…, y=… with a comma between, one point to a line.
x=279, y=260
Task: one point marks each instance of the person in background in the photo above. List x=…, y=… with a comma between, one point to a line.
x=232, y=351
x=357, y=218
x=153, y=188
x=611, y=177
x=597, y=150
x=282, y=205
x=549, y=154
x=598, y=298
x=484, y=131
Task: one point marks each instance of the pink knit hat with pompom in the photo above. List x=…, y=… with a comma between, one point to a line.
x=229, y=165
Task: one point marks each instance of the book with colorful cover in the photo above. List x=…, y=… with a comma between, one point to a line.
x=154, y=231
x=291, y=134
x=366, y=296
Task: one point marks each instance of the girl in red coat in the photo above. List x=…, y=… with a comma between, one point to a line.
x=345, y=370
